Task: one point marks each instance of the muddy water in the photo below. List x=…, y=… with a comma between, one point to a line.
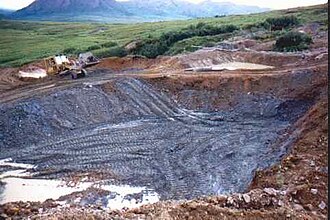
x=18, y=186
x=35, y=190
x=39, y=190
x=240, y=66
x=146, y=139
x=231, y=66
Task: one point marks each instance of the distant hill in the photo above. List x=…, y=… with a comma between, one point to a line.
x=5, y=12
x=133, y=10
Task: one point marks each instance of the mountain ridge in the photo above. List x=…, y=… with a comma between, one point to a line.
x=140, y=10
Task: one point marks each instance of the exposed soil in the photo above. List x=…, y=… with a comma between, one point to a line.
x=240, y=144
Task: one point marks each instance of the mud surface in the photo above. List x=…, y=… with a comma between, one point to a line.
x=146, y=139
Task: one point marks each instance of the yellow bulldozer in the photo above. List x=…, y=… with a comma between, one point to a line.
x=62, y=65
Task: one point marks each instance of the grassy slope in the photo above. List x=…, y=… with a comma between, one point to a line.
x=23, y=42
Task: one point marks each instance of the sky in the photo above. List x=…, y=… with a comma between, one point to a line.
x=278, y=4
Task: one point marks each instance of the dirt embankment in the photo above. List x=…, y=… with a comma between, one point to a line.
x=214, y=92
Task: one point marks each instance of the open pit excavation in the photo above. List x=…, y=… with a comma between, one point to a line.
x=145, y=139
x=161, y=132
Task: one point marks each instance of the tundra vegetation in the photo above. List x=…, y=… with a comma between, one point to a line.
x=22, y=42
x=293, y=41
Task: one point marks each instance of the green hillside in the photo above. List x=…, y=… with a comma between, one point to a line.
x=24, y=42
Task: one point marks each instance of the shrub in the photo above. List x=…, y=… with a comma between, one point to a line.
x=194, y=43
x=111, y=52
x=94, y=47
x=109, y=44
x=72, y=50
x=209, y=44
x=267, y=35
x=293, y=41
x=281, y=23
x=202, y=29
x=320, y=11
x=117, y=52
x=255, y=26
x=153, y=47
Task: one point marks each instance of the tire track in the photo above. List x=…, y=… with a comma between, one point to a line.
x=140, y=135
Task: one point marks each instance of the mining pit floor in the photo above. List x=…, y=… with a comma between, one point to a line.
x=229, y=144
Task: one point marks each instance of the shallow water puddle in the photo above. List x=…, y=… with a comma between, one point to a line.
x=240, y=65
x=18, y=187
x=231, y=66
x=8, y=162
x=123, y=199
x=19, y=171
x=36, y=190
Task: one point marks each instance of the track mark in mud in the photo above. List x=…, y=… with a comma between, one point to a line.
x=144, y=137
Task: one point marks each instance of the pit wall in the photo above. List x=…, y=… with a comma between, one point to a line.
x=216, y=92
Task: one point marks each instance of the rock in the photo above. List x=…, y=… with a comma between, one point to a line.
x=164, y=215
x=314, y=191
x=217, y=118
x=324, y=170
x=230, y=200
x=246, y=198
x=309, y=207
x=298, y=207
x=274, y=201
x=11, y=210
x=132, y=45
x=25, y=211
x=280, y=203
x=3, y=216
x=322, y=205
x=283, y=193
x=193, y=205
x=322, y=56
x=271, y=191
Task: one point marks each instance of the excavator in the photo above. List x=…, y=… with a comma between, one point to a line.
x=62, y=65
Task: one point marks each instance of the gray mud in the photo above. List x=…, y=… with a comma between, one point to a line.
x=146, y=139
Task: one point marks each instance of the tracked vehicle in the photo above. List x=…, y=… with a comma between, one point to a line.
x=61, y=65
